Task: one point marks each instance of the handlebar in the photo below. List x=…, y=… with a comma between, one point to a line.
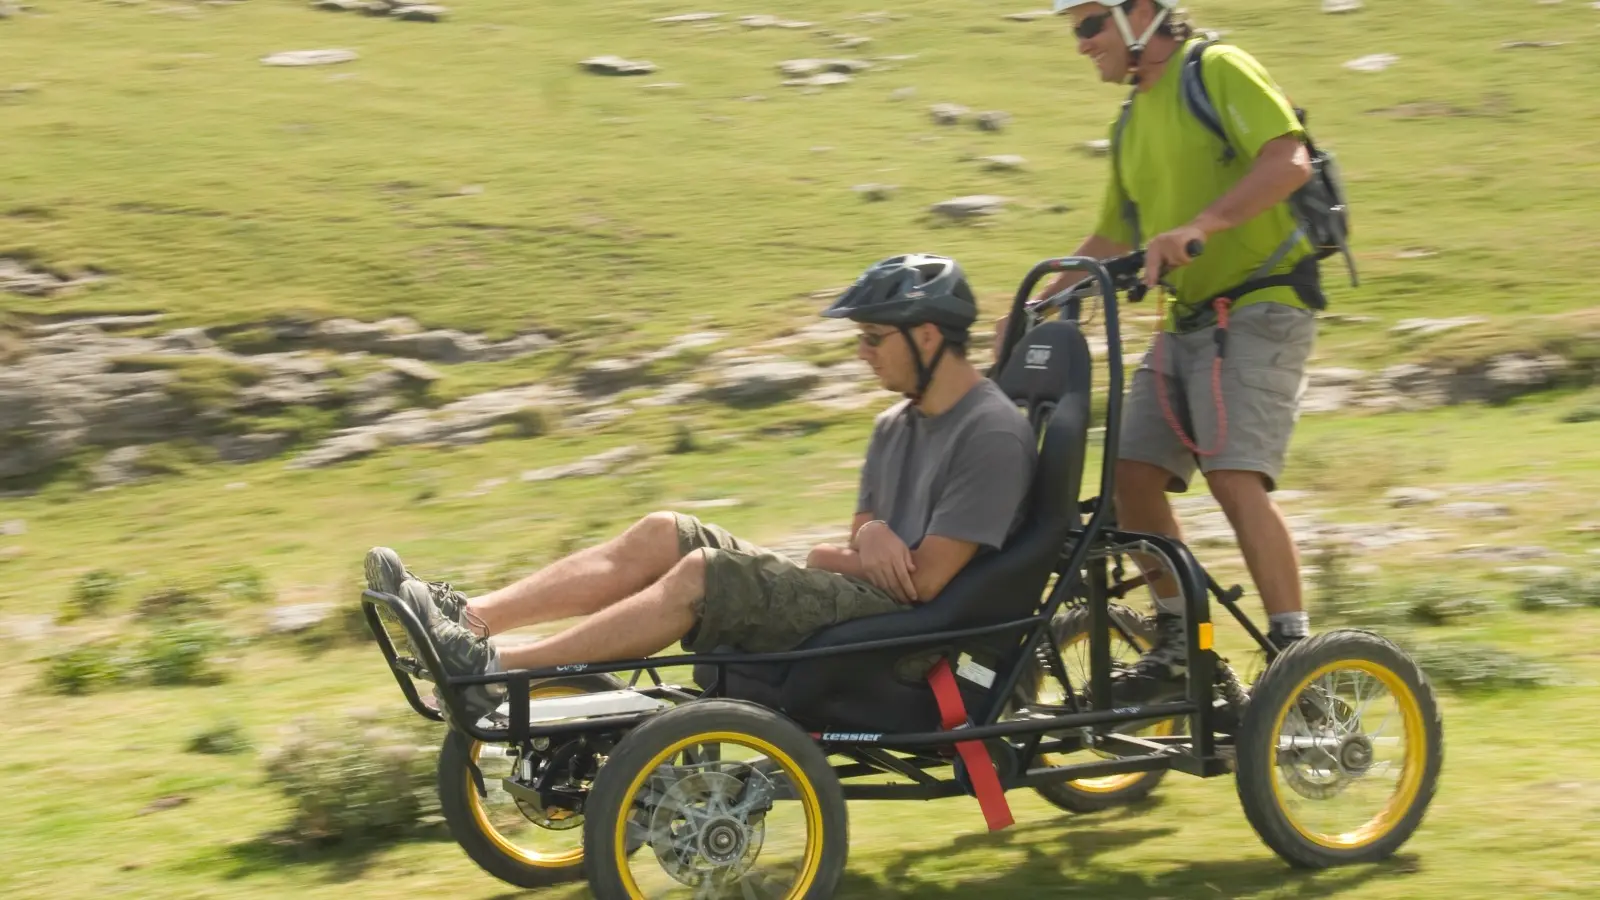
x=1124, y=272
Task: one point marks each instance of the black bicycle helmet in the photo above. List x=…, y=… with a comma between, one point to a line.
x=910, y=290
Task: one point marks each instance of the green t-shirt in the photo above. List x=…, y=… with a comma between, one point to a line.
x=1172, y=166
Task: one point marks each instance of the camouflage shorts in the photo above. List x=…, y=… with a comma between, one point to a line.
x=763, y=602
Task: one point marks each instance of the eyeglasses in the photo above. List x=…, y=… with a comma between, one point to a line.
x=1091, y=26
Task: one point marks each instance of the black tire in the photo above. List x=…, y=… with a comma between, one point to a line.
x=641, y=751
x=1094, y=795
x=466, y=818
x=1282, y=685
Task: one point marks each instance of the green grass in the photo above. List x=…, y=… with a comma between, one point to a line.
x=152, y=146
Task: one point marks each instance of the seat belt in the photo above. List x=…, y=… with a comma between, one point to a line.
x=979, y=765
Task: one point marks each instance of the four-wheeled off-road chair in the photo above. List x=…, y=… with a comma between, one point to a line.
x=735, y=784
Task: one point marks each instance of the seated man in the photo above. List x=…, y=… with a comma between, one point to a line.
x=945, y=478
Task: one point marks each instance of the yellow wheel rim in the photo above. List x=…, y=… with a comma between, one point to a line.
x=480, y=813
x=1413, y=761
x=1108, y=784
x=810, y=803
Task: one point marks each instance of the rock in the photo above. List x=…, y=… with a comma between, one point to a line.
x=1331, y=389
x=186, y=339
x=96, y=323
x=902, y=93
x=1098, y=147
x=1029, y=16
x=339, y=448
x=172, y=802
x=663, y=86
x=1534, y=573
x=1375, y=62
x=120, y=466
x=341, y=5
x=1424, y=327
x=598, y=464
x=1500, y=554
x=689, y=17
x=309, y=58
x=290, y=618
x=754, y=22
x=366, y=412
x=761, y=382
x=610, y=375
x=1416, y=253
x=243, y=448
x=1512, y=375
x=969, y=206
x=1402, y=497
x=13, y=527
x=443, y=345
x=875, y=192
x=603, y=415
x=669, y=395
x=281, y=392
x=426, y=12
x=850, y=41
x=616, y=65
x=947, y=113
x=1340, y=6
x=19, y=278
x=1535, y=45
x=413, y=370
x=825, y=79
x=1003, y=162
x=993, y=120
x=800, y=68
x=1471, y=509
x=27, y=628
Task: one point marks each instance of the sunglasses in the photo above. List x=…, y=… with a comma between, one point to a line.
x=875, y=338
x=1091, y=26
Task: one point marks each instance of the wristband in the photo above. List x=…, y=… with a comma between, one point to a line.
x=855, y=539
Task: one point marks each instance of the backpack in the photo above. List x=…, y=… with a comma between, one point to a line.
x=1319, y=207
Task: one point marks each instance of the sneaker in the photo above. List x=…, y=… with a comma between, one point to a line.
x=1159, y=674
x=385, y=574
x=1283, y=641
x=460, y=651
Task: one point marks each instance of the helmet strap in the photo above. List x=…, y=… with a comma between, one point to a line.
x=1136, y=45
x=924, y=371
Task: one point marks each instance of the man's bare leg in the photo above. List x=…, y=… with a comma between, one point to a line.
x=1264, y=539
x=643, y=624
x=1142, y=506
x=584, y=582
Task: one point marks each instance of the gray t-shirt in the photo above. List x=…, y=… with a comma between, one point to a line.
x=963, y=474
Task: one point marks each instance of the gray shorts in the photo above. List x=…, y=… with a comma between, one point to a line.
x=1263, y=379
x=759, y=601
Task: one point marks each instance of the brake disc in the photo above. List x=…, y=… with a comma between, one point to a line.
x=708, y=826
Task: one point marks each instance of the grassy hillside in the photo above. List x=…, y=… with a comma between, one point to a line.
x=470, y=175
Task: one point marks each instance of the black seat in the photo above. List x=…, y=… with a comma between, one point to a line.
x=1049, y=375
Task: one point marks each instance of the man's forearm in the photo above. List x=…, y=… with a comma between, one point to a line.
x=1283, y=165
x=833, y=558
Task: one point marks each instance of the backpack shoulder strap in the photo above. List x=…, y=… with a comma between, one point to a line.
x=1130, y=212
x=1195, y=96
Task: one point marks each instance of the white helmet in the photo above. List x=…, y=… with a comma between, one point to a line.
x=1136, y=45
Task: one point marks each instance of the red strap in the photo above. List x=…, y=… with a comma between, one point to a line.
x=980, y=767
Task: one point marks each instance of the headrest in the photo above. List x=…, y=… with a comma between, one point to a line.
x=1045, y=362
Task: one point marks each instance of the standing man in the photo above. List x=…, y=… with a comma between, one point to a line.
x=1230, y=417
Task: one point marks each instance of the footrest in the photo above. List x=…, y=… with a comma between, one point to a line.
x=584, y=706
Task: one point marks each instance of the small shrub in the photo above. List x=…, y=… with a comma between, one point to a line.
x=345, y=626
x=1441, y=603
x=224, y=738
x=92, y=593
x=1469, y=667
x=179, y=653
x=85, y=669
x=683, y=440
x=245, y=583
x=176, y=600
x=358, y=779
x=1559, y=592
